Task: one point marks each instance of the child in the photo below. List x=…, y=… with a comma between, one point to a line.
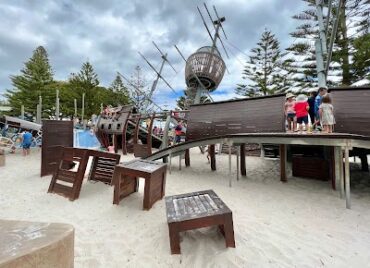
x=301, y=108
x=326, y=112
x=290, y=112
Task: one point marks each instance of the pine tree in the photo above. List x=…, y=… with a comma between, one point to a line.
x=353, y=18
x=120, y=91
x=86, y=82
x=361, y=57
x=35, y=80
x=264, y=68
x=183, y=102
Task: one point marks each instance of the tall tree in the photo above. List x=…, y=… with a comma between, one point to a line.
x=35, y=80
x=139, y=90
x=120, y=92
x=352, y=19
x=264, y=68
x=183, y=102
x=361, y=57
x=86, y=82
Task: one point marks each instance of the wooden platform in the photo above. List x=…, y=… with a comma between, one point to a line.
x=197, y=210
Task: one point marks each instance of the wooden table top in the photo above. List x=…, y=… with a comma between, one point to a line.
x=194, y=205
x=142, y=165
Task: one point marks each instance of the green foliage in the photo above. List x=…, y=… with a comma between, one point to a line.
x=264, y=69
x=361, y=57
x=86, y=82
x=36, y=79
x=119, y=92
x=182, y=101
x=354, y=19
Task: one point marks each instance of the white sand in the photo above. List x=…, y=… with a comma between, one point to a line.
x=301, y=223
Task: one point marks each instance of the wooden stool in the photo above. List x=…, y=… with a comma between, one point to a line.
x=125, y=181
x=197, y=210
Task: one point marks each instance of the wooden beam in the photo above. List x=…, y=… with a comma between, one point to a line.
x=347, y=178
x=212, y=154
x=230, y=144
x=338, y=165
x=187, y=157
x=243, y=170
x=283, y=155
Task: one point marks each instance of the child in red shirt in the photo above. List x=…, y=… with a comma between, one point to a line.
x=301, y=108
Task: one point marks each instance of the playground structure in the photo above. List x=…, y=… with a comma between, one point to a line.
x=12, y=127
x=134, y=133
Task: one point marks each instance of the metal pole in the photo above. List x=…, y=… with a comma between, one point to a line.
x=320, y=19
x=332, y=37
x=155, y=82
x=347, y=178
x=57, y=106
x=165, y=132
x=320, y=64
x=328, y=18
x=101, y=107
x=198, y=95
x=39, y=111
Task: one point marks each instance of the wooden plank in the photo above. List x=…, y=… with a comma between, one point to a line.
x=283, y=156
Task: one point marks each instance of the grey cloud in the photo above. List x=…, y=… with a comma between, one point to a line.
x=109, y=34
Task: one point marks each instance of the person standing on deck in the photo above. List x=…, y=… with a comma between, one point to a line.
x=322, y=91
x=26, y=142
x=311, y=103
x=290, y=112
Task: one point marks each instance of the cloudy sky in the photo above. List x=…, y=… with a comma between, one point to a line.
x=109, y=33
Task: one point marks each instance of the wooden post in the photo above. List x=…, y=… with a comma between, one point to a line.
x=75, y=103
x=83, y=107
x=364, y=162
x=283, y=154
x=338, y=165
x=262, y=151
x=169, y=163
x=57, y=106
x=243, y=170
x=165, y=133
x=237, y=162
x=212, y=155
x=347, y=178
x=22, y=112
x=341, y=174
x=332, y=170
x=179, y=161
x=187, y=157
x=229, y=164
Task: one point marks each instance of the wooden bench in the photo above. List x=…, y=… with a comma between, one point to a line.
x=197, y=210
x=125, y=181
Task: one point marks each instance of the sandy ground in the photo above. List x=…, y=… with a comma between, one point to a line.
x=302, y=223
